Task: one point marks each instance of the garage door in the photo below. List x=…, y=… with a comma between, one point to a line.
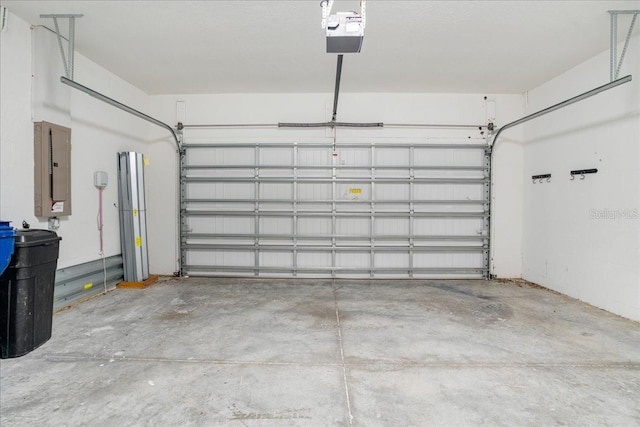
x=361, y=209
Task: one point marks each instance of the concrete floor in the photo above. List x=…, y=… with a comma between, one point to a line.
x=316, y=353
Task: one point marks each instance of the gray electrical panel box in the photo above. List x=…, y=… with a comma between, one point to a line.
x=345, y=32
x=52, y=170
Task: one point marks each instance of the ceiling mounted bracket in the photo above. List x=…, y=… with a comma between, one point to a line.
x=615, y=64
x=336, y=91
x=4, y=13
x=67, y=60
x=344, y=30
x=327, y=5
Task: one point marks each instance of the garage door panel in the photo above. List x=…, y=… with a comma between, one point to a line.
x=320, y=260
x=440, y=157
x=209, y=191
x=353, y=191
x=313, y=172
x=221, y=156
x=278, y=191
x=275, y=206
x=388, y=191
x=355, y=260
x=392, y=260
x=276, y=156
x=467, y=173
x=353, y=156
x=392, y=227
x=353, y=226
x=314, y=191
x=448, y=226
x=374, y=210
x=350, y=206
x=314, y=156
x=276, y=259
x=392, y=157
x=460, y=192
x=314, y=226
x=220, y=225
x=221, y=258
x=468, y=192
x=273, y=172
x=448, y=260
x=470, y=208
x=276, y=225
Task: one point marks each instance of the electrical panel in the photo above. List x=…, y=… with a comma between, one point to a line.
x=52, y=170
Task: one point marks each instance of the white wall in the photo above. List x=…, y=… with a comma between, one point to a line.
x=16, y=128
x=388, y=108
x=582, y=237
x=98, y=133
x=577, y=237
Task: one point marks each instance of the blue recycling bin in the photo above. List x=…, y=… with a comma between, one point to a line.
x=7, y=236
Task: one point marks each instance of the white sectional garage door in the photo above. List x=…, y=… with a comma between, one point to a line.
x=365, y=209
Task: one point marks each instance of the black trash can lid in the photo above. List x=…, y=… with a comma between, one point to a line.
x=35, y=237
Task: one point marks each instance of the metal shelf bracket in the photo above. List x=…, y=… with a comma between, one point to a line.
x=67, y=60
x=615, y=64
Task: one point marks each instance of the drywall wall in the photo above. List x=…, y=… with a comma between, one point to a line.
x=16, y=128
x=51, y=101
x=582, y=237
x=388, y=108
x=98, y=133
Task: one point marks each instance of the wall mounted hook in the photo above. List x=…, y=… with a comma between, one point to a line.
x=582, y=173
x=541, y=178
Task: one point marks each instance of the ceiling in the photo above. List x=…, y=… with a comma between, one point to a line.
x=241, y=46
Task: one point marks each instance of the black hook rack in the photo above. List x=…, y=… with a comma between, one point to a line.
x=540, y=178
x=582, y=173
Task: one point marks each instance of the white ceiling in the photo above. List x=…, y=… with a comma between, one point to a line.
x=167, y=47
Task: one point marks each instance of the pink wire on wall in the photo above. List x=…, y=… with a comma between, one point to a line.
x=100, y=219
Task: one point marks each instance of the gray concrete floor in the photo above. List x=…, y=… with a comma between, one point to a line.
x=319, y=353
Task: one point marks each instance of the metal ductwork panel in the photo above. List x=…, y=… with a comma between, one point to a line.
x=133, y=219
x=82, y=281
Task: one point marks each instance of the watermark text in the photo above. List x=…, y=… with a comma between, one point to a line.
x=614, y=214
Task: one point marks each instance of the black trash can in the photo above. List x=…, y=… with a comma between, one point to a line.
x=26, y=293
